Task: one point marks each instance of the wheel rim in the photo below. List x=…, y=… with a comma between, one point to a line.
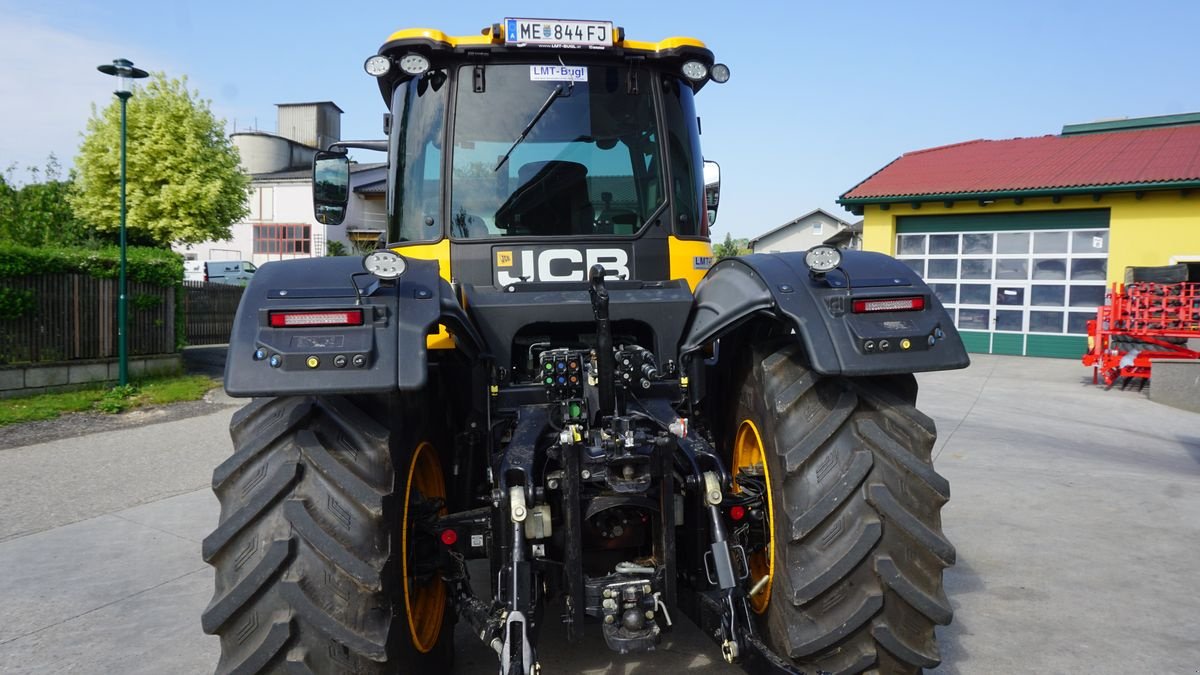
x=425, y=603
x=748, y=452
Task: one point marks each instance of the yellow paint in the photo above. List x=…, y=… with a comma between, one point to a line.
x=486, y=38
x=439, y=251
x=683, y=253
x=662, y=45
x=1142, y=232
x=438, y=36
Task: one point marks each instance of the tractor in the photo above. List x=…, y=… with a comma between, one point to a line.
x=540, y=400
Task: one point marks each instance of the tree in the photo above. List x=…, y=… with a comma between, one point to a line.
x=39, y=213
x=183, y=180
x=727, y=248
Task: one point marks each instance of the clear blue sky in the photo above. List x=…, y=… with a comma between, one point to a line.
x=822, y=94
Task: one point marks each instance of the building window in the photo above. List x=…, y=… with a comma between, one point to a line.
x=818, y=227
x=282, y=239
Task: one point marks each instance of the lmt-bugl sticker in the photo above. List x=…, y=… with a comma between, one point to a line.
x=547, y=73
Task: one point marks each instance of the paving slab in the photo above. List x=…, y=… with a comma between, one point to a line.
x=153, y=632
x=1074, y=510
x=51, y=484
x=192, y=515
x=60, y=574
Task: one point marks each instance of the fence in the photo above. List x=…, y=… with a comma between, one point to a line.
x=209, y=310
x=65, y=317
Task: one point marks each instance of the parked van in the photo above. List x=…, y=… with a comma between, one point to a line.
x=237, y=272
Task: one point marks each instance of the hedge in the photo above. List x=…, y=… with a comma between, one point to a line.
x=149, y=265
x=156, y=266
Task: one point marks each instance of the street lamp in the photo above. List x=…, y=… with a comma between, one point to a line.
x=125, y=73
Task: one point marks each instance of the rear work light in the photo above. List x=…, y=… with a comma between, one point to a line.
x=914, y=304
x=347, y=317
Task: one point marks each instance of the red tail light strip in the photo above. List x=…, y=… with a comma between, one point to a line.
x=348, y=317
x=914, y=304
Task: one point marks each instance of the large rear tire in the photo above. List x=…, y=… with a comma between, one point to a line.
x=318, y=503
x=857, y=549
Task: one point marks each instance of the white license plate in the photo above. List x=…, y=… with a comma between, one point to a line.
x=558, y=32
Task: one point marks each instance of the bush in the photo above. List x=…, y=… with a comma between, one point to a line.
x=16, y=303
x=155, y=266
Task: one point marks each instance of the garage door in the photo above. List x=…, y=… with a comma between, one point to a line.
x=1015, y=283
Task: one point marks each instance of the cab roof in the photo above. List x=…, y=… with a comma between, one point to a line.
x=492, y=37
x=443, y=49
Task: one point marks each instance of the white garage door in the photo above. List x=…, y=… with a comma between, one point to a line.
x=1026, y=286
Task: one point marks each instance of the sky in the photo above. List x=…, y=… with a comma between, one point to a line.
x=822, y=95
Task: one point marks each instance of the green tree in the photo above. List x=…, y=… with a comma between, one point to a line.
x=726, y=249
x=183, y=180
x=39, y=213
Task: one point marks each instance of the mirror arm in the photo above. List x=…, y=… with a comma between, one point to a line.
x=381, y=146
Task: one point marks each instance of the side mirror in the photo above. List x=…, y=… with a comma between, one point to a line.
x=712, y=189
x=331, y=186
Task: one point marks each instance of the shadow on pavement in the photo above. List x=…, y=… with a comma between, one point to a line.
x=205, y=360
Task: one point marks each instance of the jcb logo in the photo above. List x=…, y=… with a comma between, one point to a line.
x=558, y=264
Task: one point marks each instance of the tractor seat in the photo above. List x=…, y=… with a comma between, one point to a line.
x=552, y=200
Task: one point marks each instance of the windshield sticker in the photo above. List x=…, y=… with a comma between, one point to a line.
x=558, y=73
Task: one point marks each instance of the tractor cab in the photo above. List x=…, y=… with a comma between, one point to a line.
x=539, y=148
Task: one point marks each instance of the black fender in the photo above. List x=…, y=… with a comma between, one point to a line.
x=836, y=340
x=385, y=353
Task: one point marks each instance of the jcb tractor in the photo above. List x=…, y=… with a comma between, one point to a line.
x=542, y=368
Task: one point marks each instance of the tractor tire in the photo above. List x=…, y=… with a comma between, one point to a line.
x=309, y=575
x=857, y=548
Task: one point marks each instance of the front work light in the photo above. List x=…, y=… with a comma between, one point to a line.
x=695, y=71
x=378, y=65
x=385, y=263
x=720, y=73
x=823, y=258
x=414, y=64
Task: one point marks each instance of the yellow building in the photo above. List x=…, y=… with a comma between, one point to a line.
x=1020, y=238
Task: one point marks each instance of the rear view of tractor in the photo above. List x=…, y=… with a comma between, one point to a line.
x=544, y=381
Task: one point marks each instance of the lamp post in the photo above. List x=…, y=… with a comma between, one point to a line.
x=125, y=73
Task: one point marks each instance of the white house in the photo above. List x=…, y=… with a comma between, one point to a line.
x=849, y=238
x=813, y=228
x=281, y=224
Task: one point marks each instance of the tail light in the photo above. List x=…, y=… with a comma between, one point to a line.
x=346, y=317
x=913, y=304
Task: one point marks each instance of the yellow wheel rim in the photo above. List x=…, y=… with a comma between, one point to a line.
x=425, y=604
x=748, y=452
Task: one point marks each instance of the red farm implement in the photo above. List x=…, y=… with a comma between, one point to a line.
x=1141, y=323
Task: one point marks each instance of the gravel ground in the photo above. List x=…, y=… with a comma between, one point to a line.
x=80, y=424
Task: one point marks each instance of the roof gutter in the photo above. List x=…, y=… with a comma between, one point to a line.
x=850, y=202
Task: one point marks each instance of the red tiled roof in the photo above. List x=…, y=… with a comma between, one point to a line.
x=1103, y=160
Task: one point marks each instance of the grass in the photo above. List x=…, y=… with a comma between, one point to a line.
x=157, y=391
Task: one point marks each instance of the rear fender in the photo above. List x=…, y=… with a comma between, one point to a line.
x=390, y=344
x=819, y=311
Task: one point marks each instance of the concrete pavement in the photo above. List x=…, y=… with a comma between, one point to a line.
x=1075, y=513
